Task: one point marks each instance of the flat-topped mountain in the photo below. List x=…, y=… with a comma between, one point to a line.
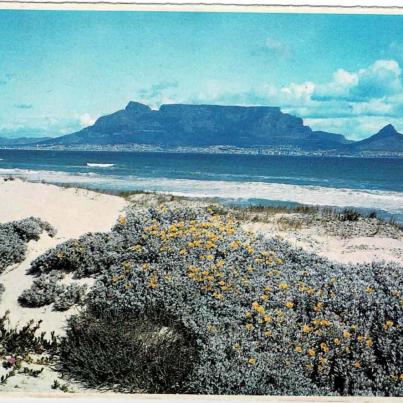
x=184, y=125
x=201, y=126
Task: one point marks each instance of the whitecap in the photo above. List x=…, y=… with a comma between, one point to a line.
x=98, y=165
x=390, y=201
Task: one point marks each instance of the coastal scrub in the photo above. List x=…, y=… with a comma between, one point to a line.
x=262, y=317
x=15, y=235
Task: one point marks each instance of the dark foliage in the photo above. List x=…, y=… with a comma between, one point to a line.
x=150, y=354
x=19, y=342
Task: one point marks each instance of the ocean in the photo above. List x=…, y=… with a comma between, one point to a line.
x=363, y=183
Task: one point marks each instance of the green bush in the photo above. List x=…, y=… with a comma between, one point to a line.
x=150, y=354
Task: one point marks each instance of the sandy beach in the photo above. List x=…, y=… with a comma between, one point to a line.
x=74, y=212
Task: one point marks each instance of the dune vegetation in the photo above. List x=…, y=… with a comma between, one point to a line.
x=15, y=235
x=185, y=301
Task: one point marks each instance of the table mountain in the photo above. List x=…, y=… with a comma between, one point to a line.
x=201, y=126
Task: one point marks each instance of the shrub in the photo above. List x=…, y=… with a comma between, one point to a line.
x=17, y=345
x=131, y=354
x=43, y=291
x=349, y=215
x=46, y=289
x=71, y=295
x=265, y=318
x=23, y=341
x=2, y=289
x=84, y=256
x=16, y=234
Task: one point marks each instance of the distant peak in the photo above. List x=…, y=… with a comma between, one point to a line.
x=387, y=130
x=137, y=107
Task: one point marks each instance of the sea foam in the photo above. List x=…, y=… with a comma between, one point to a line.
x=388, y=201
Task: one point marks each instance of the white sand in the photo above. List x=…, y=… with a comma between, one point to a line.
x=73, y=212
x=350, y=250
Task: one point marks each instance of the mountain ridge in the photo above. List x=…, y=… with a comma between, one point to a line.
x=201, y=125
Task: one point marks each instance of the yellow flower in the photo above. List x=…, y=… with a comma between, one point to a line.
x=360, y=339
x=268, y=319
x=137, y=248
x=298, y=349
x=369, y=290
x=248, y=314
x=153, y=281
x=237, y=346
x=264, y=297
x=357, y=365
x=318, y=306
x=289, y=304
x=249, y=326
x=210, y=257
x=252, y=361
x=322, y=360
x=268, y=333
x=258, y=308
x=369, y=343
x=336, y=341
x=346, y=334
x=306, y=329
x=388, y=325
x=234, y=245
x=122, y=220
x=311, y=352
x=182, y=252
x=283, y=286
x=324, y=347
x=220, y=263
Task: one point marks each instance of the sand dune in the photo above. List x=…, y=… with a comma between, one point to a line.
x=73, y=212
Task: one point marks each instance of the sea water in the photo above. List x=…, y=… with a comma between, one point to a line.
x=362, y=183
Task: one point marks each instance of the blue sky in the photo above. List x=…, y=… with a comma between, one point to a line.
x=61, y=70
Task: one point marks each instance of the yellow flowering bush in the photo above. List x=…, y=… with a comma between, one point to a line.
x=266, y=318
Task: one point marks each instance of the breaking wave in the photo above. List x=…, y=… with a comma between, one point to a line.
x=389, y=201
x=96, y=165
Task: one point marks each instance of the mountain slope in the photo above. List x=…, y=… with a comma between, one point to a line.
x=201, y=126
x=386, y=140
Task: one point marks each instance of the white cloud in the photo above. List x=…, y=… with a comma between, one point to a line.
x=382, y=78
x=354, y=128
x=86, y=120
